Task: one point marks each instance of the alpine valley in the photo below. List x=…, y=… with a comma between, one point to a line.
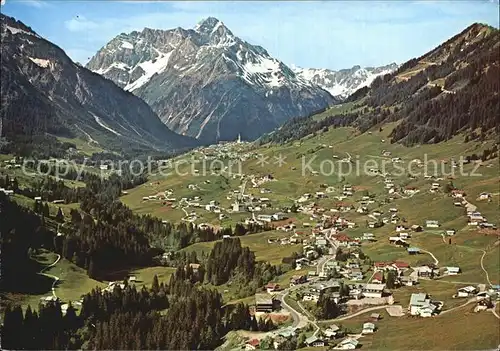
x=44, y=94
x=208, y=83
x=359, y=212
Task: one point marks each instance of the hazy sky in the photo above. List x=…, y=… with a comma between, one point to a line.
x=323, y=34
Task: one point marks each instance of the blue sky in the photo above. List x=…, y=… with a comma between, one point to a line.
x=323, y=34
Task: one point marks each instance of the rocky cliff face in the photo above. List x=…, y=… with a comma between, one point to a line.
x=43, y=91
x=207, y=83
x=344, y=82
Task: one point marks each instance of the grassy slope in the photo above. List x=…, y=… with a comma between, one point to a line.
x=461, y=329
x=272, y=253
x=73, y=282
x=465, y=250
x=144, y=276
x=83, y=146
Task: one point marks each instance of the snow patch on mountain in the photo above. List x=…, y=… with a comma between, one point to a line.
x=98, y=120
x=40, y=62
x=208, y=83
x=344, y=82
x=120, y=65
x=151, y=67
x=20, y=31
x=268, y=67
x=127, y=45
x=217, y=26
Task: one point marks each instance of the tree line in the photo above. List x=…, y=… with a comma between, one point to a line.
x=127, y=318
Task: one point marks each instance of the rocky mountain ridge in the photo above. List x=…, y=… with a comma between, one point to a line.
x=44, y=92
x=344, y=82
x=207, y=83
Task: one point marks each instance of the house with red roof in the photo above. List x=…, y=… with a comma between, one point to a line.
x=378, y=278
x=391, y=265
x=400, y=265
x=381, y=265
x=271, y=287
x=342, y=239
x=252, y=344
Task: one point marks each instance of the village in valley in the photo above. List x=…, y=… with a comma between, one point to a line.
x=190, y=189
x=360, y=256
x=339, y=230
x=359, y=253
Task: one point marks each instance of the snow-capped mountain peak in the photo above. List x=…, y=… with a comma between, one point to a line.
x=207, y=82
x=209, y=26
x=344, y=82
x=214, y=32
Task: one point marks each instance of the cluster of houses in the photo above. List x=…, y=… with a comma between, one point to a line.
x=318, y=195
x=258, y=181
x=403, y=234
x=421, y=305
x=112, y=285
x=350, y=270
x=479, y=292
x=230, y=150
x=356, y=291
x=7, y=191
x=163, y=195
x=13, y=163
x=399, y=267
x=333, y=336
x=475, y=218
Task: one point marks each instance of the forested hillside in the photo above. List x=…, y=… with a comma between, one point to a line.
x=452, y=89
x=45, y=94
x=125, y=318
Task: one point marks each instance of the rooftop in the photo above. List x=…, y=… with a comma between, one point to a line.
x=377, y=287
x=263, y=299
x=352, y=341
x=312, y=339
x=419, y=299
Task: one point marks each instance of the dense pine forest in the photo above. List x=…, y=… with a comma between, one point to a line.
x=125, y=318
x=131, y=319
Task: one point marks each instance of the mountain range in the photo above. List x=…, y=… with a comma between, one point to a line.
x=207, y=83
x=142, y=88
x=344, y=82
x=451, y=90
x=44, y=93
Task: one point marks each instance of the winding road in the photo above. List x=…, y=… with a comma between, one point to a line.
x=462, y=305
x=484, y=269
x=436, y=261
x=56, y=279
x=299, y=320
